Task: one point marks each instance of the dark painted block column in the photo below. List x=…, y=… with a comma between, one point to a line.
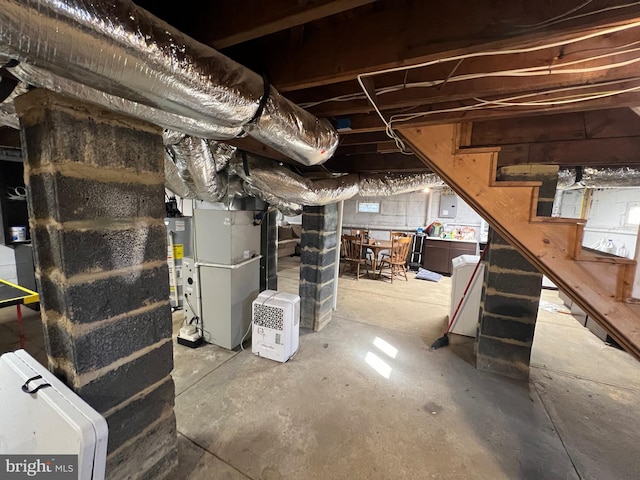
x=269, y=252
x=96, y=206
x=317, y=265
x=511, y=289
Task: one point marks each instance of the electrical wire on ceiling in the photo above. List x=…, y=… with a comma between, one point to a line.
x=388, y=124
x=541, y=70
x=559, y=19
x=511, y=101
x=550, y=21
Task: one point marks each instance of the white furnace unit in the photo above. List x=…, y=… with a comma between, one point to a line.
x=276, y=325
x=223, y=278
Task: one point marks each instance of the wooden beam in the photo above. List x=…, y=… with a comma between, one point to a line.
x=610, y=123
x=402, y=34
x=363, y=138
x=377, y=163
x=226, y=23
x=455, y=112
x=601, y=152
x=388, y=146
x=480, y=77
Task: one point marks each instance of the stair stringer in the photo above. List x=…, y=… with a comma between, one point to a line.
x=597, y=284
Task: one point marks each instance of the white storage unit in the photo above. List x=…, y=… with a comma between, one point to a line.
x=276, y=325
x=42, y=416
x=463, y=267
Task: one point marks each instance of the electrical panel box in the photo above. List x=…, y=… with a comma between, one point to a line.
x=448, y=206
x=276, y=325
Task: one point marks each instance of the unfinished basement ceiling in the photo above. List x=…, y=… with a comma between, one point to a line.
x=552, y=82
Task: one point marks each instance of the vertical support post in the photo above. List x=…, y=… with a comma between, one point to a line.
x=511, y=289
x=317, y=265
x=96, y=209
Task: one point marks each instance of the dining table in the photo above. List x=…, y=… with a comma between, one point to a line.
x=376, y=246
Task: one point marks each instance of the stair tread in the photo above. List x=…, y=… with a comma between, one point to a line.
x=463, y=150
x=591, y=255
x=596, y=281
x=512, y=184
x=571, y=221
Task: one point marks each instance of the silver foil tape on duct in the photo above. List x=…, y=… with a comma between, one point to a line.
x=202, y=166
x=123, y=50
x=199, y=128
x=599, y=177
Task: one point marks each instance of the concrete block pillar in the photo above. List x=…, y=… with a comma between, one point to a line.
x=511, y=289
x=96, y=206
x=269, y=252
x=317, y=265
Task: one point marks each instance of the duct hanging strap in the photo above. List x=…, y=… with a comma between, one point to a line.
x=263, y=100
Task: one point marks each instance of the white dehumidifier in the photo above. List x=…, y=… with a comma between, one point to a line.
x=275, y=325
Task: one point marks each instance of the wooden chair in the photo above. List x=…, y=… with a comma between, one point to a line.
x=394, y=235
x=397, y=259
x=352, y=251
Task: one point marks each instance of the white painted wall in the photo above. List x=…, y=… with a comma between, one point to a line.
x=407, y=212
x=8, y=264
x=607, y=216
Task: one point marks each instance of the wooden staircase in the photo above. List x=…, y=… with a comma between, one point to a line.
x=598, y=282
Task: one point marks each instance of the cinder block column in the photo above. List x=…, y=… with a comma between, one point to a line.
x=96, y=207
x=269, y=252
x=317, y=265
x=511, y=290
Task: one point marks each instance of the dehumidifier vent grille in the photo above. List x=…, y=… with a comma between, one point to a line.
x=268, y=317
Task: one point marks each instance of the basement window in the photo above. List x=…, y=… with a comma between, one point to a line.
x=368, y=207
x=633, y=215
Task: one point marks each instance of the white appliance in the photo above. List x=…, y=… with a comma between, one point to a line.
x=223, y=278
x=463, y=267
x=276, y=325
x=42, y=416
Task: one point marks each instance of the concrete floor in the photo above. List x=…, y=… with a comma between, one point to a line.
x=328, y=413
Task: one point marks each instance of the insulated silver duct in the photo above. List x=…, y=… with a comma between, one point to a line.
x=276, y=184
x=201, y=168
x=199, y=128
x=123, y=50
x=173, y=181
x=287, y=208
x=599, y=177
x=8, y=115
x=386, y=185
x=268, y=176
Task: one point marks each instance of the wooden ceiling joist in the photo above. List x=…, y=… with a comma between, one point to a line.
x=408, y=33
x=224, y=26
x=377, y=163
